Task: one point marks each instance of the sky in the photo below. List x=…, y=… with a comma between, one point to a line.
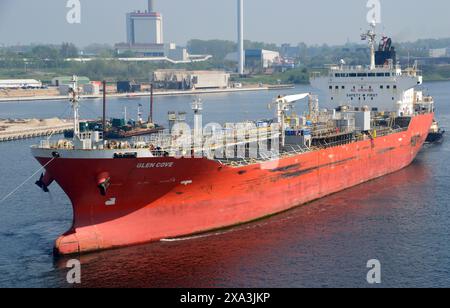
x=273, y=21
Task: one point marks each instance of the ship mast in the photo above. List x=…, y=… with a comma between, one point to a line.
x=197, y=107
x=75, y=101
x=371, y=36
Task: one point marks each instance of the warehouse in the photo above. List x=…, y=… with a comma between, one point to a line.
x=68, y=80
x=257, y=60
x=20, y=84
x=189, y=80
x=260, y=59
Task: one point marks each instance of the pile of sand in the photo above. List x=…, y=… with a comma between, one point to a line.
x=34, y=122
x=51, y=122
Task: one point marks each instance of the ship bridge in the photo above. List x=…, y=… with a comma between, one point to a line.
x=385, y=88
x=383, y=85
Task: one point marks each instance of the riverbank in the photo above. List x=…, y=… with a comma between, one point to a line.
x=146, y=94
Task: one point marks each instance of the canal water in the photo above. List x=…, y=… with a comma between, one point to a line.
x=400, y=220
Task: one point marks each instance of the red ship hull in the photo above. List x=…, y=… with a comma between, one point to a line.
x=158, y=198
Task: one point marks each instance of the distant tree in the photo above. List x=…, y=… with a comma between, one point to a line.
x=68, y=50
x=102, y=50
x=43, y=52
x=217, y=48
x=126, y=54
x=260, y=45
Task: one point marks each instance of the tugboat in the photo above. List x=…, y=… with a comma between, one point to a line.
x=436, y=133
x=121, y=128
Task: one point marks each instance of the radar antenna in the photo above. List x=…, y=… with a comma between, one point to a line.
x=370, y=36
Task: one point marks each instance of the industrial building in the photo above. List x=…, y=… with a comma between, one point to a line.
x=189, y=80
x=439, y=53
x=128, y=87
x=169, y=51
x=142, y=50
x=145, y=28
x=88, y=87
x=257, y=60
x=20, y=84
x=288, y=51
x=145, y=39
x=145, y=35
x=260, y=58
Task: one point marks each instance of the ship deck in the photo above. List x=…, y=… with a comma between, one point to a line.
x=293, y=150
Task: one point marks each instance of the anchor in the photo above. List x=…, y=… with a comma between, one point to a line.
x=103, y=183
x=44, y=182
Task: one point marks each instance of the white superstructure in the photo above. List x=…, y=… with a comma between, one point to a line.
x=382, y=85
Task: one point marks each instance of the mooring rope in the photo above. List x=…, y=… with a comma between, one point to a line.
x=26, y=181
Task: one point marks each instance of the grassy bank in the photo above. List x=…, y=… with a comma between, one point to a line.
x=295, y=76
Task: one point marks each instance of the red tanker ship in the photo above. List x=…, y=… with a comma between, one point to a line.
x=192, y=181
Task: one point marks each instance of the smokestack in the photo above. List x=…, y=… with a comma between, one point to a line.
x=150, y=6
x=241, y=54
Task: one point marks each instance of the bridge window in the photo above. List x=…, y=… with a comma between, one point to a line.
x=362, y=75
x=380, y=74
x=381, y=87
x=331, y=87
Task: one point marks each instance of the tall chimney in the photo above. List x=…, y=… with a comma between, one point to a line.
x=241, y=52
x=150, y=6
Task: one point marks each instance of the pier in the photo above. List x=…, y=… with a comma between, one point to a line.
x=11, y=130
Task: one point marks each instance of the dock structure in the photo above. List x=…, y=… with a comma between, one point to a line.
x=11, y=130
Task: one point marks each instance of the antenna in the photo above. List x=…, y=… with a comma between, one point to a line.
x=104, y=109
x=150, y=117
x=139, y=114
